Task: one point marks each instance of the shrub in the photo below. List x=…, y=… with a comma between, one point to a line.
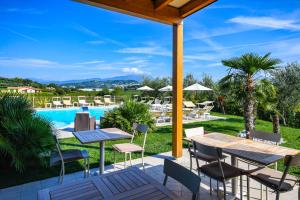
x=24, y=136
x=124, y=116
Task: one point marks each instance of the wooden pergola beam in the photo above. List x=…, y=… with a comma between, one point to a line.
x=194, y=6
x=177, y=90
x=159, y=4
x=142, y=8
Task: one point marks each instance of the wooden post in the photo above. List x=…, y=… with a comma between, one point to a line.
x=177, y=89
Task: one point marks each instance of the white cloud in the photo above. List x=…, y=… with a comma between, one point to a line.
x=31, y=11
x=86, y=30
x=147, y=50
x=267, y=22
x=21, y=35
x=132, y=70
x=95, y=42
x=26, y=62
x=90, y=62
x=202, y=57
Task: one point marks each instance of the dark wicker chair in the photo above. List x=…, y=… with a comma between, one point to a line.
x=199, y=131
x=182, y=175
x=275, y=180
x=217, y=170
x=265, y=137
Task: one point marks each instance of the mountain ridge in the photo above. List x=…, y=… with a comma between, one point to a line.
x=137, y=78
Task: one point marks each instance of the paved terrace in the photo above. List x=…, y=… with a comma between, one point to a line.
x=153, y=167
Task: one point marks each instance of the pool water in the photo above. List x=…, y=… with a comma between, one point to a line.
x=62, y=118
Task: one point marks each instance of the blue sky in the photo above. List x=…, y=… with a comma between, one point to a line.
x=63, y=39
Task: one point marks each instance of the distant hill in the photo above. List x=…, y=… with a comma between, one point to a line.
x=132, y=78
x=13, y=82
x=99, y=83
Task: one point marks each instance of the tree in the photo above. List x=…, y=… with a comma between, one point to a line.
x=267, y=99
x=156, y=84
x=24, y=135
x=244, y=69
x=189, y=79
x=287, y=82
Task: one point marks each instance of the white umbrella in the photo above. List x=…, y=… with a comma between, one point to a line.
x=168, y=88
x=145, y=88
x=197, y=87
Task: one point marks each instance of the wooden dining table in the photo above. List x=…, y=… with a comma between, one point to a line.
x=130, y=183
x=101, y=136
x=250, y=150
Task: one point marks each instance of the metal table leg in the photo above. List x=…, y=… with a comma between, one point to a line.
x=234, y=180
x=102, y=157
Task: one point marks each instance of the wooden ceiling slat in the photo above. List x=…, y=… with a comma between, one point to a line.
x=144, y=9
x=194, y=6
x=156, y=10
x=159, y=4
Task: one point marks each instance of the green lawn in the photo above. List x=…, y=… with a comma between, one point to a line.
x=157, y=142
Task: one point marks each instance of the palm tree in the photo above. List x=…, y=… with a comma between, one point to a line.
x=267, y=98
x=244, y=69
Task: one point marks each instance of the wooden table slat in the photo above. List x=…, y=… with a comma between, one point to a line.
x=254, y=151
x=99, y=187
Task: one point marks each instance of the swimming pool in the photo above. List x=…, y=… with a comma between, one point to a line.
x=63, y=118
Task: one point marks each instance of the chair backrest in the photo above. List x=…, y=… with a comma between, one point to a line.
x=289, y=161
x=107, y=100
x=265, y=137
x=189, y=104
x=190, y=132
x=214, y=152
x=211, y=151
x=81, y=99
x=157, y=101
x=67, y=99
x=56, y=100
x=82, y=121
x=142, y=128
x=97, y=99
x=182, y=175
x=208, y=108
x=150, y=101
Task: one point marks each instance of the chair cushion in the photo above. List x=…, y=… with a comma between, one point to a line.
x=68, y=156
x=127, y=147
x=204, y=157
x=213, y=170
x=271, y=178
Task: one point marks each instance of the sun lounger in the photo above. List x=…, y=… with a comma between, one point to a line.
x=143, y=100
x=98, y=101
x=150, y=101
x=67, y=101
x=189, y=104
x=82, y=101
x=135, y=98
x=83, y=122
x=56, y=102
x=167, y=100
x=161, y=117
x=107, y=100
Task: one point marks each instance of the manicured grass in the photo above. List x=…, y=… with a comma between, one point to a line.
x=157, y=142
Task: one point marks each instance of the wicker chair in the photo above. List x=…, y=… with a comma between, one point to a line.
x=219, y=171
x=275, y=180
